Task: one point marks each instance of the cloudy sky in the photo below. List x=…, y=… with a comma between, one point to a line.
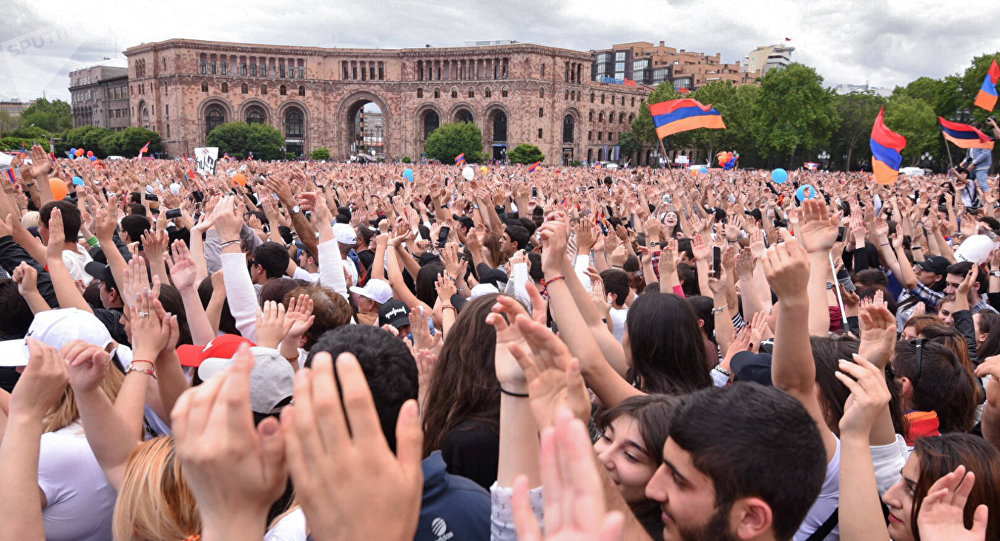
x=884, y=42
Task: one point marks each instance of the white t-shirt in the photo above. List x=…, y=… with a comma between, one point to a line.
x=76, y=261
x=826, y=503
x=80, y=501
x=291, y=527
x=618, y=320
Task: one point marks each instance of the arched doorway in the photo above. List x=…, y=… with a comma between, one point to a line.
x=430, y=122
x=144, y=115
x=294, y=124
x=365, y=131
x=256, y=115
x=464, y=115
x=214, y=116
x=497, y=125
x=568, y=138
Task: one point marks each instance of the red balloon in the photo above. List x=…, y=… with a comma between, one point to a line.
x=79, y=152
x=90, y=153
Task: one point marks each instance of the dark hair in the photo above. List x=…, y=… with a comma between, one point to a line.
x=754, y=441
x=688, y=276
x=989, y=323
x=172, y=302
x=227, y=323
x=136, y=208
x=702, y=306
x=991, y=222
x=275, y=290
x=17, y=315
x=668, y=355
x=616, y=282
x=827, y=353
x=943, y=386
x=871, y=277
x=535, y=266
x=963, y=267
x=464, y=386
x=868, y=292
x=519, y=235
x=631, y=263
x=919, y=323
x=330, y=310
x=652, y=414
x=954, y=340
x=940, y=455
x=135, y=225
x=272, y=257
x=424, y=287
x=70, y=217
x=387, y=363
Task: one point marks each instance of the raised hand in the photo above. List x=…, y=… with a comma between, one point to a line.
x=41, y=164
x=878, y=331
x=272, y=325
x=88, y=364
x=701, y=249
x=942, y=513
x=57, y=236
x=819, y=230
x=786, y=267
x=350, y=484
x=183, y=271
x=42, y=383
x=869, y=396
x=26, y=278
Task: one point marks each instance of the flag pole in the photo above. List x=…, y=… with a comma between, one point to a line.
x=670, y=168
x=951, y=164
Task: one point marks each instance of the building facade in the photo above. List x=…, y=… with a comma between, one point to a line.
x=768, y=57
x=99, y=96
x=516, y=93
x=15, y=107
x=649, y=64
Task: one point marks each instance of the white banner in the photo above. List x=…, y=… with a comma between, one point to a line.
x=682, y=159
x=206, y=158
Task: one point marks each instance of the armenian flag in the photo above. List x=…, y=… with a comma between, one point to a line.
x=964, y=135
x=460, y=158
x=987, y=97
x=10, y=175
x=886, y=147
x=812, y=166
x=534, y=166
x=685, y=114
x=144, y=149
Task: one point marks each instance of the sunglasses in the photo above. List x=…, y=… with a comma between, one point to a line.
x=919, y=345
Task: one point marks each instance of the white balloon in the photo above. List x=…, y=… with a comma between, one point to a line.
x=175, y=188
x=468, y=172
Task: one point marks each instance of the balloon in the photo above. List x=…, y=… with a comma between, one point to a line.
x=59, y=190
x=93, y=158
x=408, y=173
x=73, y=151
x=90, y=153
x=484, y=169
x=800, y=194
x=729, y=156
x=240, y=179
x=780, y=176
x=175, y=188
x=704, y=169
x=722, y=160
x=79, y=152
x=78, y=181
x=468, y=172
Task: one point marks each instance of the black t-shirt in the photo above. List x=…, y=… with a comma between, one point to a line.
x=472, y=449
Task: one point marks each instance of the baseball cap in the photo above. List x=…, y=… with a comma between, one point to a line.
x=936, y=264
x=101, y=272
x=56, y=328
x=377, y=290
x=394, y=313
x=221, y=347
x=272, y=380
x=750, y=366
x=345, y=234
x=481, y=290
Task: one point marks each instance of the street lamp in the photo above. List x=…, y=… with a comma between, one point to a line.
x=824, y=157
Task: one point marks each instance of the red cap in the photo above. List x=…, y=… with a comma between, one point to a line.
x=221, y=347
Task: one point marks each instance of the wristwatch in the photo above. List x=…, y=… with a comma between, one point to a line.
x=995, y=273
x=296, y=209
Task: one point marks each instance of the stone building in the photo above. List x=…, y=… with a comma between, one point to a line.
x=645, y=63
x=99, y=96
x=516, y=93
x=15, y=107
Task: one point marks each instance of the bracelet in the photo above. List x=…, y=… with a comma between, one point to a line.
x=723, y=371
x=716, y=310
x=884, y=244
x=134, y=368
x=516, y=395
x=92, y=241
x=293, y=359
x=547, y=283
x=229, y=243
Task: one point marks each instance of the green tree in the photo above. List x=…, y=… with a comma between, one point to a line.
x=111, y=144
x=9, y=122
x=452, y=139
x=321, y=153
x=721, y=95
x=132, y=140
x=240, y=139
x=794, y=112
x=642, y=126
x=525, y=153
x=51, y=116
x=943, y=95
x=629, y=145
x=29, y=132
x=93, y=138
x=406, y=159
x=857, y=112
x=914, y=119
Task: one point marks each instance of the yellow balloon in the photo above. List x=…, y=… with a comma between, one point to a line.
x=484, y=169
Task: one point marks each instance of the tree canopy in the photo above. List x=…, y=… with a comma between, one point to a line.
x=525, y=153
x=239, y=139
x=450, y=140
x=51, y=116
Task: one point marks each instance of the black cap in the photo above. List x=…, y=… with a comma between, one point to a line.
x=101, y=272
x=936, y=264
x=750, y=366
x=394, y=313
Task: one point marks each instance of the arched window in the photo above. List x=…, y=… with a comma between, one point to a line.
x=255, y=115
x=600, y=116
x=282, y=90
x=503, y=94
x=293, y=122
x=472, y=92
x=499, y=126
x=244, y=88
x=225, y=88
x=569, y=127
x=591, y=97
x=204, y=87
x=621, y=118
x=263, y=89
x=302, y=90
x=633, y=101
x=602, y=99
x=437, y=93
x=431, y=123
x=590, y=117
x=611, y=116
x=488, y=92
x=214, y=116
x=420, y=92
x=454, y=93
x=464, y=116
x=145, y=116
x=541, y=93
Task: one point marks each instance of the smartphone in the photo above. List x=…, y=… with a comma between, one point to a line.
x=152, y=197
x=534, y=191
x=841, y=233
x=173, y=213
x=716, y=261
x=198, y=196
x=443, y=236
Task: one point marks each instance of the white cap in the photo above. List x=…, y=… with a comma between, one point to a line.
x=377, y=290
x=481, y=290
x=271, y=381
x=56, y=328
x=345, y=234
x=976, y=248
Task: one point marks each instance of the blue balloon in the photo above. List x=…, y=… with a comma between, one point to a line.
x=408, y=173
x=72, y=151
x=703, y=169
x=800, y=194
x=779, y=175
x=78, y=181
x=93, y=158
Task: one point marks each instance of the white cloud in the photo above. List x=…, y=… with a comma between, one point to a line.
x=884, y=42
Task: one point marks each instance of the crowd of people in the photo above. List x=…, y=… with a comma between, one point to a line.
x=338, y=351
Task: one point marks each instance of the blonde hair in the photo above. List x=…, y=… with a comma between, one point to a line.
x=66, y=413
x=30, y=218
x=154, y=501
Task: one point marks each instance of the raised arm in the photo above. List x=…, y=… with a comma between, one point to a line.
x=818, y=234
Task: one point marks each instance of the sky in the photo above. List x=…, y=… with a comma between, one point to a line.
x=882, y=42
